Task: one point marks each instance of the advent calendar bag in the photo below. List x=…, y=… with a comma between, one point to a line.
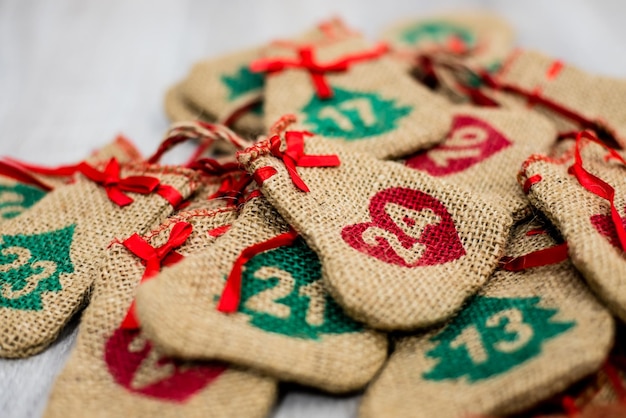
x=256, y=298
x=22, y=185
x=533, y=330
x=348, y=91
x=583, y=194
x=50, y=255
x=179, y=109
x=116, y=371
x=484, y=150
x=399, y=249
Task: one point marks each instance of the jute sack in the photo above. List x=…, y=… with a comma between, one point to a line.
x=590, y=100
x=399, y=249
x=484, y=150
x=527, y=335
x=22, y=185
x=584, y=218
x=480, y=39
x=116, y=371
x=348, y=91
x=224, y=88
x=50, y=254
x=273, y=315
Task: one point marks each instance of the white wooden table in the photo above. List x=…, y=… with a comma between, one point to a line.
x=73, y=73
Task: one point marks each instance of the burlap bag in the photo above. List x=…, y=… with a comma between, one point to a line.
x=285, y=324
x=23, y=185
x=484, y=150
x=400, y=249
x=369, y=104
x=50, y=254
x=224, y=88
x=589, y=100
x=584, y=218
x=116, y=371
x=527, y=335
x=481, y=39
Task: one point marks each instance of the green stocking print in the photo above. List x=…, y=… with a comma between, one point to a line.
x=282, y=292
x=491, y=336
x=352, y=115
x=16, y=198
x=31, y=265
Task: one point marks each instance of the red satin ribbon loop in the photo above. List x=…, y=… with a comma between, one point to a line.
x=231, y=295
x=595, y=184
x=294, y=156
x=306, y=60
x=540, y=258
x=16, y=171
x=154, y=259
x=116, y=186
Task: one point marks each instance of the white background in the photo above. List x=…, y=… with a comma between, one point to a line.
x=74, y=73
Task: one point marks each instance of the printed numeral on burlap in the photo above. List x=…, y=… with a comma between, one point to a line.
x=408, y=228
x=17, y=198
x=440, y=32
x=469, y=142
x=241, y=82
x=352, y=115
x=491, y=336
x=604, y=225
x=282, y=292
x=137, y=367
x=31, y=265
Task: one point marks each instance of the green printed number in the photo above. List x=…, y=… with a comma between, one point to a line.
x=353, y=115
x=437, y=32
x=491, y=336
x=282, y=292
x=241, y=82
x=16, y=198
x=31, y=265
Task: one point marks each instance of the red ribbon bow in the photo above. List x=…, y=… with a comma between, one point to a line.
x=231, y=295
x=154, y=259
x=306, y=60
x=293, y=157
x=115, y=185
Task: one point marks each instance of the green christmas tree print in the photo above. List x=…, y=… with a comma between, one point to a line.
x=282, y=293
x=14, y=199
x=438, y=32
x=31, y=265
x=353, y=115
x=491, y=336
x=241, y=82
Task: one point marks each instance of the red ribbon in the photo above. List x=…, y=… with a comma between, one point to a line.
x=231, y=295
x=540, y=258
x=294, y=156
x=154, y=259
x=16, y=171
x=307, y=61
x=595, y=184
x=116, y=186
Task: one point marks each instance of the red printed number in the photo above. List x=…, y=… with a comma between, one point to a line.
x=409, y=228
x=136, y=366
x=470, y=141
x=604, y=225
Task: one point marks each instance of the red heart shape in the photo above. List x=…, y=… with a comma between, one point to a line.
x=469, y=142
x=182, y=382
x=409, y=228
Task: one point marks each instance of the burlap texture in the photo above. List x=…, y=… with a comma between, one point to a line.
x=488, y=38
x=526, y=336
x=598, y=99
x=16, y=197
x=50, y=254
x=220, y=86
x=399, y=249
x=376, y=108
x=483, y=153
x=297, y=335
x=114, y=372
x=584, y=218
